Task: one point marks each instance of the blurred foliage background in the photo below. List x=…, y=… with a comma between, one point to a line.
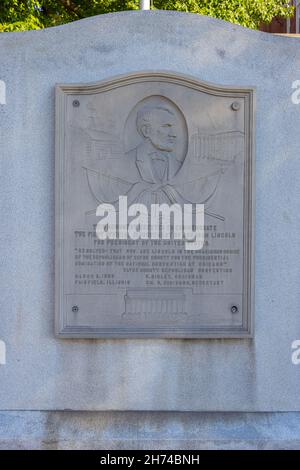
x=21, y=15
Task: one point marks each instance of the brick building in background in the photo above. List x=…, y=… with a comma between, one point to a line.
x=285, y=26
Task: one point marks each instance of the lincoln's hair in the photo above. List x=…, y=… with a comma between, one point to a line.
x=146, y=115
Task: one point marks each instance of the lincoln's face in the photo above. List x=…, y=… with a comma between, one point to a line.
x=161, y=130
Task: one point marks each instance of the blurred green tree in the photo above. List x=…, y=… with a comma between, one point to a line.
x=21, y=15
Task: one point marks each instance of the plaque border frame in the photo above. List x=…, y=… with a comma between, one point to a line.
x=249, y=94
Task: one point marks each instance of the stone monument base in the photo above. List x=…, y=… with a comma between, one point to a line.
x=148, y=430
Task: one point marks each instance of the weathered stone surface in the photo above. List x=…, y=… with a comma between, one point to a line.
x=148, y=430
x=43, y=372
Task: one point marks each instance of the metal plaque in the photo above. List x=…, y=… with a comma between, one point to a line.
x=165, y=141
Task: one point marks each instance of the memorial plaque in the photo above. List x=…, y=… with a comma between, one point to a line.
x=154, y=140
